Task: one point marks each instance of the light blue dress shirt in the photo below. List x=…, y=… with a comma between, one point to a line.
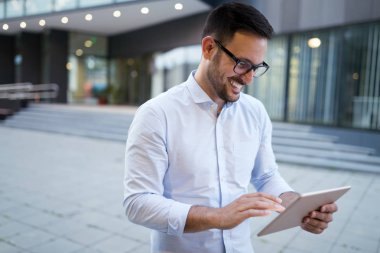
x=179, y=153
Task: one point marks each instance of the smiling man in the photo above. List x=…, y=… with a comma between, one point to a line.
x=193, y=151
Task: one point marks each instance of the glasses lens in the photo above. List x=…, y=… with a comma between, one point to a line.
x=242, y=67
x=260, y=71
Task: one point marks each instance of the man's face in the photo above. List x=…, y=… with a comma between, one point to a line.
x=224, y=82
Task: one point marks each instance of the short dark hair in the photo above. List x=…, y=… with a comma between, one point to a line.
x=225, y=20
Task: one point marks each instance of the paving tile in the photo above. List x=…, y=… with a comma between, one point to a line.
x=30, y=238
x=7, y=248
x=116, y=244
x=88, y=236
x=19, y=212
x=348, y=249
x=293, y=250
x=114, y=225
x=138, y=233
x=4, y=220
x=89, y=217
x=265, y=246
x=40, y=220
x=59, y=245
x=13, y=228
x=79, y=201
x=6, y=204
x=280, y=239
x=89, y=250
x=63, y=227
x=140, y=249
x=354, y=242
x=312, y=244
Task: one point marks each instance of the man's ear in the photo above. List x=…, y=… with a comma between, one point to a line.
x=208, y=47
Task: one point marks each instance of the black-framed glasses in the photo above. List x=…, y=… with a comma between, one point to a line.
x=243, y=67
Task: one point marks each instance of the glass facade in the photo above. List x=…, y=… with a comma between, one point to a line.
x=90, y=3
x=334, y=82
x=173, y=67
x=37, y=6
x=2, y=9
x=327, y=77
x=270, y=87
x=130, y=79
x=87, y=67
x=324, y=77
x=61, y=5
x=20, y=8
x=14, y=8
x=362, y=55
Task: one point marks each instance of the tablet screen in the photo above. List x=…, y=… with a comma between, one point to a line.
x=301, y=207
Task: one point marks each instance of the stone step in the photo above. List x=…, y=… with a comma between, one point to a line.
x=292, y=143
x=326, y=163
x=320, y=145
x=328, y=154
x=285, y=133
x=115, y=124
x=110, y=135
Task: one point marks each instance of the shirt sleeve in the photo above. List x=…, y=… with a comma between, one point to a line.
x=146, y=162
x=265, y=175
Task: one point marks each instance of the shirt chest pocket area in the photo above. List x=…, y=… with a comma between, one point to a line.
x=244, y=153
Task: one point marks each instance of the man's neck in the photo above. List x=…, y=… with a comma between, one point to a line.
x=206, y=88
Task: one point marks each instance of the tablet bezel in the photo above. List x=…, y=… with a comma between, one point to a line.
x=305, y=203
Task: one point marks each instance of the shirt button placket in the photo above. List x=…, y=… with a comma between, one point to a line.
x=224, y=199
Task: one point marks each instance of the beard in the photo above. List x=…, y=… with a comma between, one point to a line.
x=222, y=86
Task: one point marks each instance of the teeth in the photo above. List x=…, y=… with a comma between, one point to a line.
x=236, y=84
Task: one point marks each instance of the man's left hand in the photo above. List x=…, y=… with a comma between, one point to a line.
x=317, y=221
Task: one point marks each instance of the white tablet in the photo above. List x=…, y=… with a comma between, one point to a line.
x=301, y=207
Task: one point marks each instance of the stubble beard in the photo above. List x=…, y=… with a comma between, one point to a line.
x=219, y=85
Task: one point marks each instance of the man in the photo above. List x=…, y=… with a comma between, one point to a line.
x=193, y=151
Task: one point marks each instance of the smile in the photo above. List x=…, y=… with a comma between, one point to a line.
x=236, y=87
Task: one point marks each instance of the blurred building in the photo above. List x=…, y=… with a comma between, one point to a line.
x=324, y=60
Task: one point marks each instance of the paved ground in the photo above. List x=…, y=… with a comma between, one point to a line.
x=63, y=194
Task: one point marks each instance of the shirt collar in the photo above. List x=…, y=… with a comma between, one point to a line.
x=196, y=92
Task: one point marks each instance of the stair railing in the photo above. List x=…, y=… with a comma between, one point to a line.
x=28, y=91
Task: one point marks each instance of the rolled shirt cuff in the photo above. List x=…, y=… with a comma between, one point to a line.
x=177, y=218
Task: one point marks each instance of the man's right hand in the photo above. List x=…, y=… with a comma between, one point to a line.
x=246, y=206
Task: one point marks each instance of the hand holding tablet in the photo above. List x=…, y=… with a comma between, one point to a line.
x=301, y=207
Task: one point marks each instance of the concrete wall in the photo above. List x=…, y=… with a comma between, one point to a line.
x=301, y=15
x=56, y=47
x=7, y=54
x=181, y=32
x=29, y=47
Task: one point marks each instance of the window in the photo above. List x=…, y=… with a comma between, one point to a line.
x=38, y=6
x=270, y=88
x=88, y=3
x=14, y=8
x=61, y=5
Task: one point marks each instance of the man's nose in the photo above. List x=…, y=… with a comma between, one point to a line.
x=248, y=77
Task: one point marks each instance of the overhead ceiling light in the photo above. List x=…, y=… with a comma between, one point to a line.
x=79, y=52
x=42, y=22
x=65, y=20
x=178, y=6
x=88, y=43
x=69, y=66
x=314, y=42
x=144, y=10
x=88, y=17
x=5, y=27
x=23, y=25
x=117, y=14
